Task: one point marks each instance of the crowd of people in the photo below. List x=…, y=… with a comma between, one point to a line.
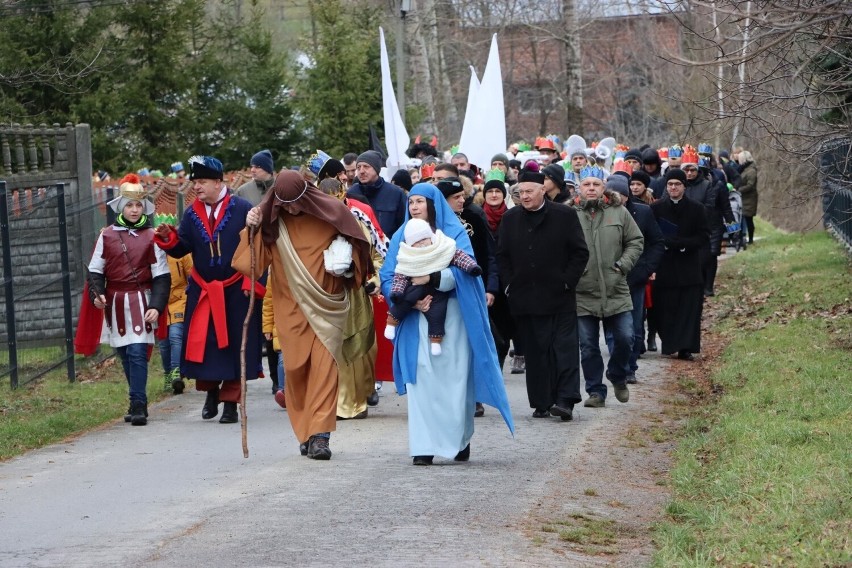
x=444, y=270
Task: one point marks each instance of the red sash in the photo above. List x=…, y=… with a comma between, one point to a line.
x=211, y=302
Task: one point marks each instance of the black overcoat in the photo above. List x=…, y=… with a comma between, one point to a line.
x=541, y=256
x=681, y=263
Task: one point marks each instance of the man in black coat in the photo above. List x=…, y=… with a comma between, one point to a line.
x=678, y=296
x=652, y=253
x=541, y=254
x=387, y=200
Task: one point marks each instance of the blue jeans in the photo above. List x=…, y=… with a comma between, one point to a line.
x=618, y=367
x=134, y=359
x=280, y=371
x=638, y=313
x=170, y=348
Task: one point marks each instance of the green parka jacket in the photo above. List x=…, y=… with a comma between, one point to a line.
x=615, y=244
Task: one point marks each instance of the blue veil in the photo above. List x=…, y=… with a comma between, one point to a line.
x=470, y=292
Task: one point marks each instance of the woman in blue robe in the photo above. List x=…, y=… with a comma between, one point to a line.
x=443, y=389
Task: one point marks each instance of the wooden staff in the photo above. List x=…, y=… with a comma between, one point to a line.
x=243, y=417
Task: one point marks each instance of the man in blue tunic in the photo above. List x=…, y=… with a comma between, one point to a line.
x=216, y=295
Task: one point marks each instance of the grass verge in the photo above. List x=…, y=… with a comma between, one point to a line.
x=763, y=474
x=52, y=409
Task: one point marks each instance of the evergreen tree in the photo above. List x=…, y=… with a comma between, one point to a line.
x=340, y=93
x=50, y=53
x=244, y=98
x=139, y=113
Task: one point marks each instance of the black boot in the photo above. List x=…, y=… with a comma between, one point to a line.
x=129, y=416
x=138, y=413
x=211, y=404
x=229, y=413
x=652, y=342
x=463, y=455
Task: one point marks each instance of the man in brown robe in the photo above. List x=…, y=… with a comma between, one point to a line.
x=299, y=227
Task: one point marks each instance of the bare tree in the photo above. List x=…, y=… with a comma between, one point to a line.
x=785, y=87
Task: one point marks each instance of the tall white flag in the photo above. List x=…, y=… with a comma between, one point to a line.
x=396, y=137
x=468, y=133
x=487, y=125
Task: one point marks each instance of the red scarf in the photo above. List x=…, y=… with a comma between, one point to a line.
x=494, y=215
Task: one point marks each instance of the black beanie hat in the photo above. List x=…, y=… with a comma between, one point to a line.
x=676, y=173
x=633, y=154
x=556, y=174
x=651, y=156
x=402, y=179
x=450, y=186
x=641, y=176
x=372, y=159
x=263, y=160
x=515, y=164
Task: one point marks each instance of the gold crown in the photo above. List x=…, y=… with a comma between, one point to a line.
x=132, y=191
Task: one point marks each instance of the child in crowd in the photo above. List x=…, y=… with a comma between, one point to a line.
x=422, y=254
x=129, y=281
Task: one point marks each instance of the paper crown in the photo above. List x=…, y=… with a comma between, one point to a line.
x=705, y=148
x=177, y=167
x=622, y=166
x=690, y=157
x=620, y=154
x=602, y=152
x=426, y=170
x=544, y=143
x=571, y=177
x=575, y=145
x=524, y=147
x=316, y=162
x=454, y=150
x=675, y=152
x=663, y=153
x=704, y=162
x=593, y=172
x=495, y=175
x=557, y=141
x=160, y=218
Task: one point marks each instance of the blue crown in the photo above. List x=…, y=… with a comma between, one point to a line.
x=675, y=152
x=317, y=161
x=594, y=172
x=704, y=162
x=705, y=148
x=571, y=177
x=177, y=167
